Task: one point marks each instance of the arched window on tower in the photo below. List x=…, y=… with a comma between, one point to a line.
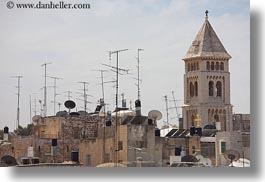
x=212, y=65
x=216, y=118
x=211, y=88
x=222, y=66
x=192, y=120
x=198, y=66
x=196, y=88
x=191, y=89
x=219, y=89
x=188, y=66
x=192, y=67
x=217, y=66
x=208, y=65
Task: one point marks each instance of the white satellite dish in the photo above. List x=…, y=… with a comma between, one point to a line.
x=36, y=118
x=231, y=156
x=204, y=161
x=155, y=115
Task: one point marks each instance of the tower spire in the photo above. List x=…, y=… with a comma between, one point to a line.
x=206, y=14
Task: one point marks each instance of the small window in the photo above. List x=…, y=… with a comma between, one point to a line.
x=222, y=66
x=198, y=66
x=208, y=65
x=211, y=88
x=191, y=89
x=193, y=149
x=88, y=160
x=219, y=89
x=223, y=147
x=107, y=158
x=188, y=66
x=212, y=66
x=196, y=88
x=217, y=66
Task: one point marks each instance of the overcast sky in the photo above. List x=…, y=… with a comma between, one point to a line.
x=78, y=41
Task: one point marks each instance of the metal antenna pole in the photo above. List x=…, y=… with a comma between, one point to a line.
x=30, y=115
x=85, y=95
x=18, y=99
x=175, y=103
x=117, y=102
x=69, y=94
x=45, y=89
x=138, y=71
x=166, y=100
x=54, y=92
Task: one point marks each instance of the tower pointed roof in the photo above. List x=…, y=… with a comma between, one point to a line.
x=207, y=43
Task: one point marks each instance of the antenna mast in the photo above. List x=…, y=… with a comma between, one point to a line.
x=30, y=115
x=138, y=72
x=117, y=69
x=18, y=98
x=176, y=105
x=85, y=94
x=45, y=89
x=54, y=92
x=166, y=100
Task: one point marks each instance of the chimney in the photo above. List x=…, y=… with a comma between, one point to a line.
x=138, y=107
x=6, y=131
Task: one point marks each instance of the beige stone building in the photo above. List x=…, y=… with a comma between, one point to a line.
x=131, y=142
x=207, y=81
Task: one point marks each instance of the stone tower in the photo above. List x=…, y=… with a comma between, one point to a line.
x=207, y=82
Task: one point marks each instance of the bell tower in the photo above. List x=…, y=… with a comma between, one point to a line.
x=207, y=81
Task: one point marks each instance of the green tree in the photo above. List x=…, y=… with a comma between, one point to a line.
x=26, y=131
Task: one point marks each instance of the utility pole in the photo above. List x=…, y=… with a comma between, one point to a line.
x=138, y=73
x=54, y=92
x=45, y=89
x=18, y=99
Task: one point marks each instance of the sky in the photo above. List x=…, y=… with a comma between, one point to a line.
x=78, y=41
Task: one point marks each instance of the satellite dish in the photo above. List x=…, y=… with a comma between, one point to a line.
x=204, y=161
x=155, y=115
x=36, y=118
x=8, y=160
x=82, y=113
x=74, y=114
x=69, y=104
x=61, y=114
x=231, y=155
x=189, y=158
x=210, y=127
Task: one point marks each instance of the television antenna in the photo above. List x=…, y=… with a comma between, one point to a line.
x=85, y=95
x=45, y=88
x=54, y=92
x=175, y=104
x=231, y=155
x=117, y=70
x=166, y=101
x=138, y=73
x=155, y=115
x=18, y=98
